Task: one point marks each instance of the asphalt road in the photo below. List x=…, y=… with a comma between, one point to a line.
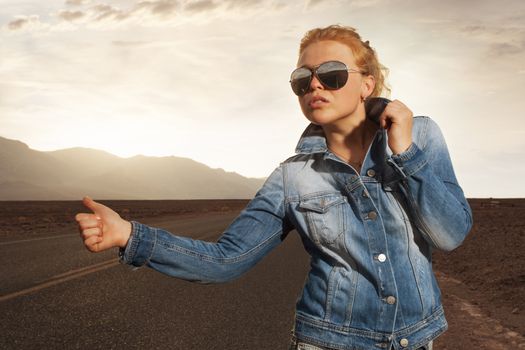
x=55, y=294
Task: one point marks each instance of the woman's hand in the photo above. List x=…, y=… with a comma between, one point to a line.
x=104, y=229
x=397, y=119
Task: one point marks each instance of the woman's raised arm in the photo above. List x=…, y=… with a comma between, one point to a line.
x=439, y=207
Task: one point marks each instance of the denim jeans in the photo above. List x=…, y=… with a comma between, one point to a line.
x=300, y=345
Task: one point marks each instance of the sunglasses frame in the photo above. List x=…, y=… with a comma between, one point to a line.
x=313, y=72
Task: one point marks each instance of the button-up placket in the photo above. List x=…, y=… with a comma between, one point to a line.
x=363, y=191
x=378, y=251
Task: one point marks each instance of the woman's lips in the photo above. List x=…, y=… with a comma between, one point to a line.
x=317, y=102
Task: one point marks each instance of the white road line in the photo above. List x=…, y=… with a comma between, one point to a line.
x=37, y=239
x=62, y=278
x=72, y=274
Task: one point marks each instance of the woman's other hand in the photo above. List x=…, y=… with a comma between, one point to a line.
x=103, y=229
x=397, y=119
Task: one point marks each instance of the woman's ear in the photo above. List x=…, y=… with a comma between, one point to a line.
x=367, y=86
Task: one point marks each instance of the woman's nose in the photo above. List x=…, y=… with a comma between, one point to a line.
x=315, y=84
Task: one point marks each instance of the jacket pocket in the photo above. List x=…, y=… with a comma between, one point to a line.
x=324, y=216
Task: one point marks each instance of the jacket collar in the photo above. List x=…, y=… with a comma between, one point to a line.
x=312, y=140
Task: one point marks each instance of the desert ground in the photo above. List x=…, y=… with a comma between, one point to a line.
x=47, y=274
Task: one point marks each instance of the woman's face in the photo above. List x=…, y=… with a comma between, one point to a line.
x=338, y=104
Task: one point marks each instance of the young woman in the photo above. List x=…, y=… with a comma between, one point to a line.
x=371, y=195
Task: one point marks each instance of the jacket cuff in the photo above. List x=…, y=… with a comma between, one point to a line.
x=140, y=245
x=409, y=161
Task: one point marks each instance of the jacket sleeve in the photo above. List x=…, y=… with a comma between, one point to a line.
x=259, y=228
x=439, y=207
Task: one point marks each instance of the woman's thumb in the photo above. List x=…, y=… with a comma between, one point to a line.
x=91, y=204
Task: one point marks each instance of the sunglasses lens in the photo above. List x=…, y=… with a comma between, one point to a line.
x=333, y=74
x=300, y=81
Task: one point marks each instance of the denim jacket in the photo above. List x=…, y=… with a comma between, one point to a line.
x=370, y=238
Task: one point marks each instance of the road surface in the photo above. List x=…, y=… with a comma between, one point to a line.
x=56, y=294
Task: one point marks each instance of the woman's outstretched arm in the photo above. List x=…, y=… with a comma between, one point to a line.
x=259, y=228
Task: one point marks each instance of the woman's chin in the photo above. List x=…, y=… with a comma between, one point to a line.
x=321, y=118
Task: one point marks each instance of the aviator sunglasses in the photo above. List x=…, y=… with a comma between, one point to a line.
x=331, y=74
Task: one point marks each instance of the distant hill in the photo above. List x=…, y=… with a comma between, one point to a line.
x=68, y=174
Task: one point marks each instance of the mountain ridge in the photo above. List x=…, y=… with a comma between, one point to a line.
x=71, y=173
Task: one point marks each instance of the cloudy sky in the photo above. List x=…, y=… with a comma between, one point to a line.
x=208, y=79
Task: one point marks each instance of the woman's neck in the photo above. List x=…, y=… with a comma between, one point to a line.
x=350, y=139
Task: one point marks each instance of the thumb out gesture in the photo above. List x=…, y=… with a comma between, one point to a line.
x=103, y=229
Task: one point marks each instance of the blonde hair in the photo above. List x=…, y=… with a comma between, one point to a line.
x=365, y=56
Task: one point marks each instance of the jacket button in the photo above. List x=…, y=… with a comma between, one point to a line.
x=391, y=300
x=381, y=257
x=370, y=172
x=403, y=342
x=372, y=215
